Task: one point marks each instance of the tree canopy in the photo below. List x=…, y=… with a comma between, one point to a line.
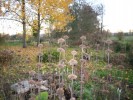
x=86, y=21
x=53, y=12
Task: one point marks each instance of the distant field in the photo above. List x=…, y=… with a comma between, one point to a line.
x=12, y=43
x=126, y=38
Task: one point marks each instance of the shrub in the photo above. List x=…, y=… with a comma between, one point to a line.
x=120, y=35
x=52, y=56
x=128, y=47
x=118, y=59
x=130, y=58
x=117, y=46
x=42, y=96
x=6, y=56
x=2, y=39
x=122, y=47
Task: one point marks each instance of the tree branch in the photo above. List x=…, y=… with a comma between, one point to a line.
x=11, y=11
x=11, y=19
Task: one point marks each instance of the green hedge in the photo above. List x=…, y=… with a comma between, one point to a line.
x=50, y=56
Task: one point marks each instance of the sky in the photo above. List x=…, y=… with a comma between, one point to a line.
x=118, y=16
x=10, y=27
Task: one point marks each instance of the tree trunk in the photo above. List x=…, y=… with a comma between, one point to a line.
x=24, y=24
x=38, y=37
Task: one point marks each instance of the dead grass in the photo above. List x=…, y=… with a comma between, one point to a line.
x=30, y=52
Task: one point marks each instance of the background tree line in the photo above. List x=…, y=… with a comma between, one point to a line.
x=27, y=12
x=86, y=23
x=63, y=17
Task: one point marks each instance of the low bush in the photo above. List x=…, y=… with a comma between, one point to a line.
x=118, y=59
x=122, y=47
x=6, y=56
x=52, y=56
x=128, y=47
x=130, y=58
x=117, y=47
x=2, y=39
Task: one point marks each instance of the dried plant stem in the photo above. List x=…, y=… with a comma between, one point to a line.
x=59, y=77
x=59, y=68
x=108, y=58
x=104, y=50
x=72, y=85
x=81, y=85
x=81, y=74
x=108, y=54
x=97, y=55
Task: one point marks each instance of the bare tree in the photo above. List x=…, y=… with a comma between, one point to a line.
x=15, y=10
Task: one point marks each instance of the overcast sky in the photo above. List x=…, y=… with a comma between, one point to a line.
x=118, y=16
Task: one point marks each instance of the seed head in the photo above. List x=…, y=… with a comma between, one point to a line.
x=82, y=82
x=40, y=54
x=39, y=65
x=73, y=62
x=61, y=65
x=74, y=52
x=109, y=66
x=109, y=41
x=82, y=46
x=65, y=37
x=60, y=50
x=72, y=98
x=38, y=83
x=72, y=76
x=40, y=45
x=32, y=73
x=108, y=51
x=120, y=66
x=82, y=60
x=60, y=91
x=83, y=38
x=61, y=40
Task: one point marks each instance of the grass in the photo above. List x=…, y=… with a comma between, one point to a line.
x=11, y=43
x=126, y=38
x=94, y=69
